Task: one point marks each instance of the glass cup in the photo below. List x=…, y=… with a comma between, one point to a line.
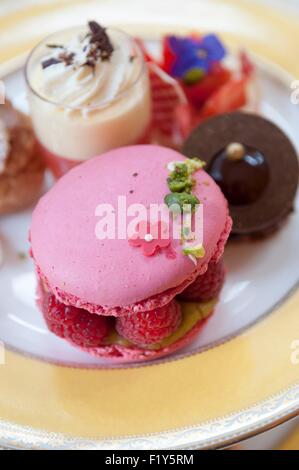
x=69, y=133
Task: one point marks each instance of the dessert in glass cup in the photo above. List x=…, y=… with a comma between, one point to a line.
x=89, y=92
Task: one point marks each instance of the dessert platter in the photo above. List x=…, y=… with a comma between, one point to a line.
x=149, y=228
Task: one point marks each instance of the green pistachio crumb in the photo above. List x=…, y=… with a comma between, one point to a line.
x=181, y=200
x=194, y=164
x=180, y=170
x=180, y=185
x=198, y=251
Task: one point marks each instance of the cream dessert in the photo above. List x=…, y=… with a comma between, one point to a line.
x=88, y=93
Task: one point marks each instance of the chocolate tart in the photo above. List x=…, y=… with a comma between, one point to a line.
x=254, y=163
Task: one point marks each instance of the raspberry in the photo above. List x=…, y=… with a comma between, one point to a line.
x=77, y=325
x=145, y=328
x=207, y=286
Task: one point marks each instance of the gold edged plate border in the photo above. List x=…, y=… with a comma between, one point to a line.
x=209, y=434
x=223, y=432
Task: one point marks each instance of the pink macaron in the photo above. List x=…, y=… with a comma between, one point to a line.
x=123, y=279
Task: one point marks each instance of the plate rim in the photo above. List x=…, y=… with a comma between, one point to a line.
x=286, y=402
x=266, y=66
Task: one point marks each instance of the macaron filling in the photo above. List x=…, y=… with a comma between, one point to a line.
x=88, y=330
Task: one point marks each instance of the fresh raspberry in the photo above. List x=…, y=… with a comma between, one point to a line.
x=207, y=286
x=77, y=325
x=145, y=328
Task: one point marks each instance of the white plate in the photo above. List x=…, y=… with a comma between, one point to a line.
x=260, y=274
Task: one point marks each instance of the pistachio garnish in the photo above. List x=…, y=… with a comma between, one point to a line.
x=181, y=199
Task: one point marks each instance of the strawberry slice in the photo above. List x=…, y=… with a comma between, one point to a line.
x=168, y=55
x=200, y=92
x=230, y=97
x=247, y=67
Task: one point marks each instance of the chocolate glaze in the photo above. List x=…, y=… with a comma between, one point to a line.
x=243, y=180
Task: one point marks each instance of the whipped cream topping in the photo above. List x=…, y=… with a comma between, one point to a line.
x=88, y=73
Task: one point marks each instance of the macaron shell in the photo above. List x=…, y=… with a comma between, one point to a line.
x=156, y=301
x=110, y=272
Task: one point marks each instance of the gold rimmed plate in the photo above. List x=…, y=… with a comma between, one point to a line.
x=238, y=378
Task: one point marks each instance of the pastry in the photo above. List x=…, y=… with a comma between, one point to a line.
x=254, y=163
x=196, y=77
x=88, y=92
x=114, y=292
x=21, y=166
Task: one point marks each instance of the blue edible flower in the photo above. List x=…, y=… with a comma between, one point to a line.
x=195, y=54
